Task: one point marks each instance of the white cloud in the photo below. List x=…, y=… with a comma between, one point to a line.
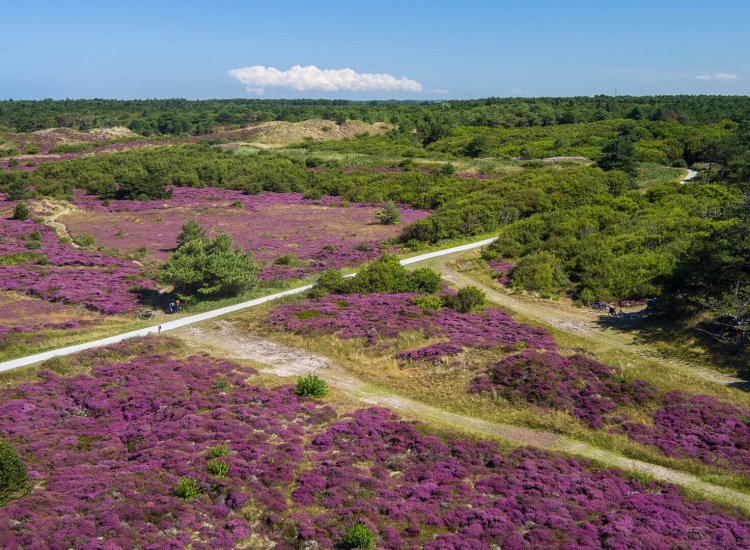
x=258, y=78
x=722, y=77
x=439, y=91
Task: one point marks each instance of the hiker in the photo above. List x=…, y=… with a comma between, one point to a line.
x=612, y=310
x=159, y=332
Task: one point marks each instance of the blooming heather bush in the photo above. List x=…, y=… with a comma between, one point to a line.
x=699, y=427
x=503, y=270
x=301, y=478
x=579, y=385
x=376, y=316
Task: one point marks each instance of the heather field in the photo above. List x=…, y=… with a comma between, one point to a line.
x=36, y=262
x=292, y=236
x=432, y=353
x=158, y=451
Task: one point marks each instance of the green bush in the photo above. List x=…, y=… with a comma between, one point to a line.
x=389, y=215
x=311, y=385
x=21, y=212
x=467, y=299
x=14, y=480
x=431, y=303
x=84, y=240
x=385, y=274
x=489, y=254
x=359, y=536
x=285, y=259
x=218, y=450
x=186, y=488
x=424, y=280
x=217, y=467
x=332, y=280
x=541, y=272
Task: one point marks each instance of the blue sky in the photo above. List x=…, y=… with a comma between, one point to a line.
x=444, y=49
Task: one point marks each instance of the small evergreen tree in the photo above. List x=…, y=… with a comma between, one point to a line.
x=211, y=268
x=389, y=215
x=191, y=230
x=21, y=212
x=14, y=480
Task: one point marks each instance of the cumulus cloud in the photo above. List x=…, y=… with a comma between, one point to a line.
x=258, y=78
x=722, y=77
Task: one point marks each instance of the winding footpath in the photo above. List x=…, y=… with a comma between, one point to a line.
x=192, y=319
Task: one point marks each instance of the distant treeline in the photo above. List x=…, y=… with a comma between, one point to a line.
x=181, y=116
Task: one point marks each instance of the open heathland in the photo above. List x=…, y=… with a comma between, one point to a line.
x=128, y=455
x=291, y=235
x=34, y=261
x=677, y=424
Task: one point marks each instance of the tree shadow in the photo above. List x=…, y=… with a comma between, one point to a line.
x=671, y=337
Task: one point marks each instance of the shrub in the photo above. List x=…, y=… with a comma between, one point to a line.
x=84, y=240
x=21, y=212
x=14, y=481
x=431, y=303
x=186, y=488
x=413, y=244
x=448, y=169
x=489, y=254
x=385, y=274
x=424, y=280
x=31, y=149
x=217, y=467
x=332, y=280
x=218, y=450
x=359, y=536
x=389, y=215
x=285, y=259
x=363, y=247
x=541, y=272
x=465, y=300
x=311, y=385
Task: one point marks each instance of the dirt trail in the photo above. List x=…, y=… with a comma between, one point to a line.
x=281, y=360
x=59, y=208
x=581, y=324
